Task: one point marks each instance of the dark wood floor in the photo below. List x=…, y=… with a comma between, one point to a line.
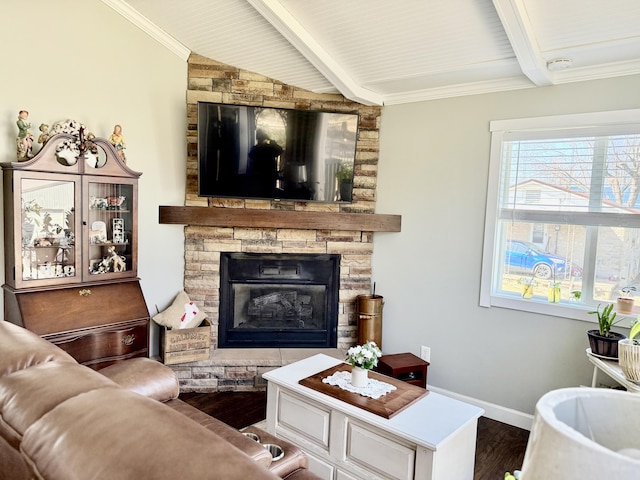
x=499, y=447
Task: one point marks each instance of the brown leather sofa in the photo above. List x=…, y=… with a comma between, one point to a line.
x=63, y=421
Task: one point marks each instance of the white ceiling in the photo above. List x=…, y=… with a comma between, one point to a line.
x=399, y=51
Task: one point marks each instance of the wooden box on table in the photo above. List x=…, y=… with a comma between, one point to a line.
x=404, y=366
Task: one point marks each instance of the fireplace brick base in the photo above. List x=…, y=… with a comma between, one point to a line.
x=240, y=369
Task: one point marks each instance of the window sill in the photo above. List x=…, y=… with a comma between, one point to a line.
x=570, y=310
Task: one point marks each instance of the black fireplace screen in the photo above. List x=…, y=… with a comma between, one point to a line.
x=278, y=300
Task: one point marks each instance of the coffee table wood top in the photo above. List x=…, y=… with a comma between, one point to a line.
x=386, y=406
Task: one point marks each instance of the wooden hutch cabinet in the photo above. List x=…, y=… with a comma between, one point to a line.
x=70, y=233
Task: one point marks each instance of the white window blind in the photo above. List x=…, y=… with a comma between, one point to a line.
x=563, y=212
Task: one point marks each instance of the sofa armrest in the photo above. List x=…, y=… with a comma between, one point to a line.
x=294, y=458
x=146, y=377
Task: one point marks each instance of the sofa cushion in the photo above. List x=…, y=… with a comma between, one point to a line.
x=22, y=348
x=182, y=313
x=12, y=464
x=27, y=395
x=255, y=450
x=146, y=377
x=117, y=434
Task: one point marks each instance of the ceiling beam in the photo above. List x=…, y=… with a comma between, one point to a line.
x=280, y=18
x=517, y=25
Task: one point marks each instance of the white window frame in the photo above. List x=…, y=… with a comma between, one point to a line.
x=619, y=121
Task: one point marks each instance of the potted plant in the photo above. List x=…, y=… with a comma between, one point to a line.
x=603, y=341
x=629, y=353
x=345, y=181
x=362, y=359
x=624, y=303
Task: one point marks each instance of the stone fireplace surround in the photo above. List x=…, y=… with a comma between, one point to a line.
x=241, y=369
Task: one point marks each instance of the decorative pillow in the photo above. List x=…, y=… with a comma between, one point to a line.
x=182, y=313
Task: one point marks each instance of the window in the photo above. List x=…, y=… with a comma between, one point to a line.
x=563, y=212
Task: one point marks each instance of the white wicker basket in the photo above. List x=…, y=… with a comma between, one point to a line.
x=629, y=359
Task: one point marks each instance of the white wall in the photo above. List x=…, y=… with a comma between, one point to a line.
x=433, y=171
x=81, y=60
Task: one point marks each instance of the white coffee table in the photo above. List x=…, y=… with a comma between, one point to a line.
x=432, y=439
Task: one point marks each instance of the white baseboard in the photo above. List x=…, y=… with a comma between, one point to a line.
x=491, y=410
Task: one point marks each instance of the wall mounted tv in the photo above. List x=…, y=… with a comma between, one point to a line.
x=275, y=153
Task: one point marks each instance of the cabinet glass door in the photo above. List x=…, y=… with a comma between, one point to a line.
x=110, y=232
x=47, y=230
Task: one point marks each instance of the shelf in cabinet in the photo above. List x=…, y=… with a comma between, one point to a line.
x=108, y=211
x=109, y=244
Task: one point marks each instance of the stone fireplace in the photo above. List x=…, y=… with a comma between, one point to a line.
x=207, y=243
x=278, y=300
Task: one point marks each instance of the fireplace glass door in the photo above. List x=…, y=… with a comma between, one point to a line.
x=287, y=300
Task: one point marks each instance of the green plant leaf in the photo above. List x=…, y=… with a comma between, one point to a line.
x=635, y=328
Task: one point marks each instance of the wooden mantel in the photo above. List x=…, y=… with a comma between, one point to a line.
x=243, y=217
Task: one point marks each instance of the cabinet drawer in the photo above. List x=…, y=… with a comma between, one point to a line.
x=380, y=453
x=320, y=468
x=308, y=421
x=95, y=347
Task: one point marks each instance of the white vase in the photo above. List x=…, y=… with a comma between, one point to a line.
x=359, y=377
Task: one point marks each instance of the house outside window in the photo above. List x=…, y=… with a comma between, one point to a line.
x=563, y=212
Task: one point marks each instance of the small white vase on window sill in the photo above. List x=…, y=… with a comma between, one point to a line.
x=359, y=377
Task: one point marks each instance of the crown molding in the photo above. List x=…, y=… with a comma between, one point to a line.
x=460, y=90
x=149, y=27
x=598, y=72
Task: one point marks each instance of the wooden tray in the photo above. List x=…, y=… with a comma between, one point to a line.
x=386, y=406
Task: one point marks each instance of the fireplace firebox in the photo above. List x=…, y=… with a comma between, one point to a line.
x=278, y=300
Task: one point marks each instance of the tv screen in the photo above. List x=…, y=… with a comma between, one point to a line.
x=275, y=153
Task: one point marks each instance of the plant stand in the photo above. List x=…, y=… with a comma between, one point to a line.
x=612, y=369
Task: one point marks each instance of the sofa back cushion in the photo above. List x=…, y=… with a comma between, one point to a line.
x=26, y=395
x=115, y=433
x=21, y=348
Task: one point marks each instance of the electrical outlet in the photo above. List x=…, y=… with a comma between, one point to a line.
x=425, y=353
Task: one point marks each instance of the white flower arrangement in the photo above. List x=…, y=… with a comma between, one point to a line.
x=364, y=356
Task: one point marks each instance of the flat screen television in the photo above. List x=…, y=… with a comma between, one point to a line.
x=275, y=153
